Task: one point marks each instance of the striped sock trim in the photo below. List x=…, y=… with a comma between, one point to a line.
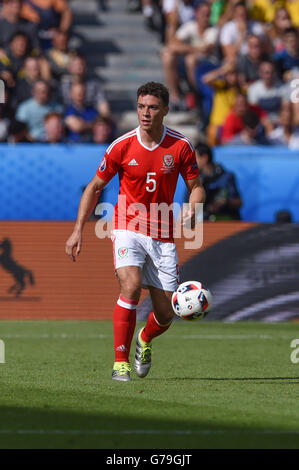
x=127, y=303
x=161, y=326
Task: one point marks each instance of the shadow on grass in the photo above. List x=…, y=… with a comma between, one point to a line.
x=48, y=427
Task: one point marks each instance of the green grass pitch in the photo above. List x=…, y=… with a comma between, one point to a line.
x=212, y=385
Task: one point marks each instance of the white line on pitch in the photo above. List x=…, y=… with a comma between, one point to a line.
x=179, y=432
x=102, y=336
x=226, y=337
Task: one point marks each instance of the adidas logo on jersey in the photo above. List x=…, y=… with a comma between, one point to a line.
x=133, y=162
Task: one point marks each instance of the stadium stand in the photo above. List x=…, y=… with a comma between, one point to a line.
x=114, y=46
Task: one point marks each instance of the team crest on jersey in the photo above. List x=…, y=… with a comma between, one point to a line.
x=102, y=164
x=168, y=161
x=123, y=252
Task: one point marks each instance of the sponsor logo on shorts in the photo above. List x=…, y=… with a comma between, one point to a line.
x=102, y=166
x=123, y=252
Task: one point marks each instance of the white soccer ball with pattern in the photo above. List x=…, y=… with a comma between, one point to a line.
x=191, y=301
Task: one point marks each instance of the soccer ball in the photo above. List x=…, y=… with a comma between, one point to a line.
x=191, y=301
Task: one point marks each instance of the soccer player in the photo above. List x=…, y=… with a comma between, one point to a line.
x=148, y=160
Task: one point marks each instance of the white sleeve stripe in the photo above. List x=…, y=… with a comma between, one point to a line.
x=120, y=139
x=175, y=132
x=181, y=138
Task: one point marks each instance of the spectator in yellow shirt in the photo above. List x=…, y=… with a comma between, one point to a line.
x=224, y=80
x=264, y=10
x=293, y=8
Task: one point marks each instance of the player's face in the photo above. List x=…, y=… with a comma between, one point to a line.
x=151, y=112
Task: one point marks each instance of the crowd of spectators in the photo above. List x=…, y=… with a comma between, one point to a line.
x=49, y=94
x=237, y=65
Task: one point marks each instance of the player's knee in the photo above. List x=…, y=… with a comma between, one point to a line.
x=131, y=289
x=165, y=318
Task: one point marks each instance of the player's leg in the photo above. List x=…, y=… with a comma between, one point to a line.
x=161, y=318
x=125, y=311
x=128, y=260
x=157, y=323
x=124, y=319
x=162, y=281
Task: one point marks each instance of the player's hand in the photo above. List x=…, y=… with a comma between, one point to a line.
x=73, y=245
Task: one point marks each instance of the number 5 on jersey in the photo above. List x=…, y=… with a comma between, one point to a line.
x=151, y=182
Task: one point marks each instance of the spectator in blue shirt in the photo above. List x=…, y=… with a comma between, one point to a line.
x=79, y=117
x=287, y=61
x=78, y=72
x=223, y=200
x=33, y=111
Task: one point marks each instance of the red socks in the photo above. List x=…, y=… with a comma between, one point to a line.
x=124, y=322
x=153, y=328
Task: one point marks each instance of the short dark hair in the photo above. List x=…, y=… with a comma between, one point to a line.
x=155, y=89
x=283, y=217
x=44, y=82
x=61, y=31
x=103, y=120
x=200, y=4
x=16, y=127
x=79, y=55
x=251, y=120
x=204, y=149
x=290, y=30
x=239, y=4
x=17, y=33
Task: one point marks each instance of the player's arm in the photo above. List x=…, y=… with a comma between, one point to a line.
x=197, y=196
x=87, y=204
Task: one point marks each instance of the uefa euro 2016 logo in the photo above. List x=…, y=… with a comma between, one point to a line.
x=2, y=352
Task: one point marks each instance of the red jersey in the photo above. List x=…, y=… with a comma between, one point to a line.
x=148, y=178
